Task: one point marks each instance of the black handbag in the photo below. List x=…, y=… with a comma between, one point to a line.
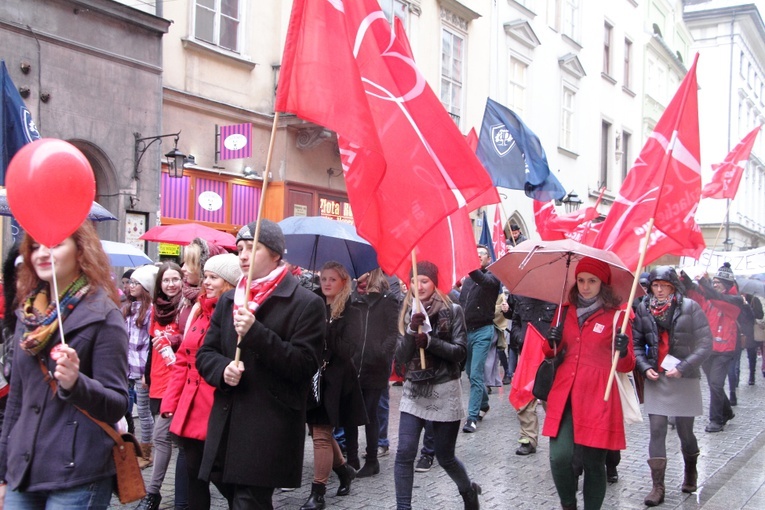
x=546, y=372
x=314, y=392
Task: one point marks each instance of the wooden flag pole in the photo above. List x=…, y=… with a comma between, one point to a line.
x=626, y=320
x=256, y=234
x=415, y=300
x=717, y=237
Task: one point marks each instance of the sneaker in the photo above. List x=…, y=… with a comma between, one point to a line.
x=470, y=426
x=382, y=451
x=424, y=464
x=507, y=380
x=482, y=413
x=526, y=449
x=714, y=427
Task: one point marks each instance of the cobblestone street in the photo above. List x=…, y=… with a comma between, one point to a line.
x=731, y=466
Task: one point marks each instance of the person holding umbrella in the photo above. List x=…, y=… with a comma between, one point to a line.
x=672, y=339
x=586, y=336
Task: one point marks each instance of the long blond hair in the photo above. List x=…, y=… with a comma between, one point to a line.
x=338, y=305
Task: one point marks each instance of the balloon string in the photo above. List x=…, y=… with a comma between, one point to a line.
x=58, y=299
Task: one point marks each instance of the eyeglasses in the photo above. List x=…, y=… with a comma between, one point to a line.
x=133, y=283
x=171, y=280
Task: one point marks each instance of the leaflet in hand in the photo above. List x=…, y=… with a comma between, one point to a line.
x=669, y=362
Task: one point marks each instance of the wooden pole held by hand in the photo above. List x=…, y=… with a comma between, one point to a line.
x=415, y=300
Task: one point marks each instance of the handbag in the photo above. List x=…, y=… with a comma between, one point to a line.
x=130, y=485
x=314, y=393
x=546, y=372
x=625, y=382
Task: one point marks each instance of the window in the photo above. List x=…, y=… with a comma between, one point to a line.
x=741, y=64
x=605, y=135
x=627, y=66
x=516, y=88
x=570, y=18
x=452, y=66
x=567, y=119
x=626, y=154
x=607, y=32
x=396, y=8
x=217, y=22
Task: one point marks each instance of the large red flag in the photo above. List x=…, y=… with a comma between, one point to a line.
x=526, y=370
x=664, y=184
x=406, y=164
x=574, y=225
x=727, y=175
x=498, y=234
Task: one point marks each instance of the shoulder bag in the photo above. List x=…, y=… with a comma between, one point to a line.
x=314, y=394
x=546, y=372
x=627, y=387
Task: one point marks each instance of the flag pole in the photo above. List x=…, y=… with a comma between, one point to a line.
x=717, y=237
x=416, y=299
x=633, y=292
x=256, y=234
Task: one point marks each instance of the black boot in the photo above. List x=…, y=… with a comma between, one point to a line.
x=371, y=467
x=316, y=499
x=149, y=502
x=346, y=474
x=471, y=497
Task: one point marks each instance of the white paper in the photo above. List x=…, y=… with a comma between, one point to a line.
x=669, y=362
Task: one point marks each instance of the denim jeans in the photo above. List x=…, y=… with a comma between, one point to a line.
x=734, y=371
x=144, y=410
x=428, y=441
x=716, y=369
x=382, y=417
x=93, y=495
x=445, y=436
x=479, y=343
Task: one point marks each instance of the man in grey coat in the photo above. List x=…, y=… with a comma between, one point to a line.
x=256, y=431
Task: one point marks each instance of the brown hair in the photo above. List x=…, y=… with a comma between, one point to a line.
x=376, y=281
x=160, y=274
x=91, y=259
x=610, y=300
x=338, y=305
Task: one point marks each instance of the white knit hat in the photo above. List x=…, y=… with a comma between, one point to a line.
x=226, y=266
x=146, y=276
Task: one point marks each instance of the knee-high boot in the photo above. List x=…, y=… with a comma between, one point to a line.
x=691, y=475
x=658, y=467
x=470, y=497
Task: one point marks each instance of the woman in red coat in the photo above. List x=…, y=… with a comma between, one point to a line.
x=188, y=399
x=576, y=411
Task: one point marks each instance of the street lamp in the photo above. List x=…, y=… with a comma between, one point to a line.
x=175, y=158
x=572, y=202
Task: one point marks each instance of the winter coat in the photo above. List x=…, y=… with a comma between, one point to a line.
x=581, y=379
x=189, y=397
x=525, y=311
x=759, y=318
x=377, y=338
x=47, y=444
x=159, y=371
x=478, y=297
x=722, y=311
x=690, y=339
x=342, y=404
x=447, y=347
x=263, y=417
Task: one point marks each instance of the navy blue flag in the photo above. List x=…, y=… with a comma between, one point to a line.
x=513, y=155
x=485, y=238
x=16, y=126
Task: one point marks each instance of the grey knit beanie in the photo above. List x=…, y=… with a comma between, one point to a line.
x=226, y=266
x=146, y=276
x=270, y=235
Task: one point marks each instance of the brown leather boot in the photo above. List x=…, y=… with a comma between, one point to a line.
x=145, y=460
x=658, y=467
x=691, y=475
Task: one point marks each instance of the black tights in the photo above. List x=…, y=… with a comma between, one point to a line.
x=657, y=446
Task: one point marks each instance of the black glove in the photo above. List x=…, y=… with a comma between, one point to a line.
x=554, y=336
x=620, y=344
x=418, y=319
x=421, y=339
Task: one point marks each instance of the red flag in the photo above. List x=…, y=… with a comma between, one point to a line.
x=663, y=184
x=498, y=234
x=406, y=164
x=472, y=139
x=574, y=225
x=526, y=370
x=727, y=175
x=446, y=245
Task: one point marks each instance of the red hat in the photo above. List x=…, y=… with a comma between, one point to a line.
x=595, y=267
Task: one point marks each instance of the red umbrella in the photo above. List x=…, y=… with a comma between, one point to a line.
x=184, y=233
x=545, y=269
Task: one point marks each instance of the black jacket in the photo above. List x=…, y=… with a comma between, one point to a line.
x=690, y=338
x=377, y=340
x=478, y=298
x=525, y=311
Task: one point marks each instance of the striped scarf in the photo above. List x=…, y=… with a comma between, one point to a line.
x=40, y=317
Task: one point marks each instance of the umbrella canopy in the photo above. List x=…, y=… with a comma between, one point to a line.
x=97, y=211
x=545, y=269
x=184, y=233
x=125, y=255
x=312, y=240
x=750, y=286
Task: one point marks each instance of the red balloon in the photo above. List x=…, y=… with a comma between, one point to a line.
x=50, y=187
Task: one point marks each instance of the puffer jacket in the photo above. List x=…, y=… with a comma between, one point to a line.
x=690, y=339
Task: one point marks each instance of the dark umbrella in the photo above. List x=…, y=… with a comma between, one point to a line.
x=97, y=211
x=313, y=240
x=750, y=286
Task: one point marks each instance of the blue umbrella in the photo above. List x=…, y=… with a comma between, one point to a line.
x=313, y=240
x=97, y=211
x=125, y=255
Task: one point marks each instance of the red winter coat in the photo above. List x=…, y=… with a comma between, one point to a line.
x=160, y=371
x=582, y=378
x=188, y=396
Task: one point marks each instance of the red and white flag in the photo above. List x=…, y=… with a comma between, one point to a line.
x=498, y=234
x=576, y=225
x=406, y=165
x=664, y=184
x=727, y=175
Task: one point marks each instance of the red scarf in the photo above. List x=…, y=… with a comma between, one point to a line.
x=260, y=289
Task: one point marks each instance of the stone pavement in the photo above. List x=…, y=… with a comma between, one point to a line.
x=731, y=466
